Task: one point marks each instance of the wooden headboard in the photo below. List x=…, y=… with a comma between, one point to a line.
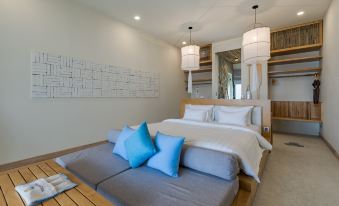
x=265, y=104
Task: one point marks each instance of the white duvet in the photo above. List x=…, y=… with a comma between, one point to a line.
x=246, y=144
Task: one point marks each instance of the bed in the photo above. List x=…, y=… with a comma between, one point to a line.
x=251, y=146
x=209, y=169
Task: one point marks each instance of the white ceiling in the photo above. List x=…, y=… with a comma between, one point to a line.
x=214, y=20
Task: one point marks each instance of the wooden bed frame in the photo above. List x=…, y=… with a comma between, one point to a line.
x=248, y=186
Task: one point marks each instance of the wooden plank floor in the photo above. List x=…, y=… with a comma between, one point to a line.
x=81, y=195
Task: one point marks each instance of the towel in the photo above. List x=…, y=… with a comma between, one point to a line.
x=35, y=192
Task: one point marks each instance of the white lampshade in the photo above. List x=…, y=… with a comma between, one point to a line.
x=190, y=58
x=257, y=45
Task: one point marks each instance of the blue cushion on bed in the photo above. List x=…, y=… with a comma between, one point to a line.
x=167, y=157
x=113, y=135
x=119, y=147
x=139, y=146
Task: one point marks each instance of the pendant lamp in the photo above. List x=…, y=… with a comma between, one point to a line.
x=190, y=60
x=256, y=43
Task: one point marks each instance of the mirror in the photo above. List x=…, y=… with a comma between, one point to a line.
x=229, y=78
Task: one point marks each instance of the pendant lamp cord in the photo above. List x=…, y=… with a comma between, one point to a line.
x=255, y=7
x=190, y=28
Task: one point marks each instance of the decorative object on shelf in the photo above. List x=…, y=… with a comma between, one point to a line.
x=316, y=89
x=256, y=42
x=190, y=60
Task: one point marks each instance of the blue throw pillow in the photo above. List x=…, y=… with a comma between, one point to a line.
x=113, y=135
x=139, y=146
x=119, y=147
x=168, y=156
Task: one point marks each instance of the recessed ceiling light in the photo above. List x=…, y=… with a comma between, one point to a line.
x=236, y=59
x=300, y=13
x=184, y=43
x=137, y=18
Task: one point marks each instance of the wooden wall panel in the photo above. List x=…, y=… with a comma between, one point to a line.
x=297, y=36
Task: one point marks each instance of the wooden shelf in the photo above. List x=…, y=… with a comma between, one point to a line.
x=295, y=119
x=201, y=83
x=294, y=50
x=300, y=70
x=205, y=62
x=200, y=80
x=201, y=70
x=293, y=75
x=294, y=60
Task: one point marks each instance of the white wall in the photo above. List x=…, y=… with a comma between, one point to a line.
x=30, y=127
x=330, y=76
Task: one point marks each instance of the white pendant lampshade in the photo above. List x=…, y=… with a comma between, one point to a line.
x=190, y=58
x=257, y=45
x=190, y=61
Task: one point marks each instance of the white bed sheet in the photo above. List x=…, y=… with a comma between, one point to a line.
x=245, y=143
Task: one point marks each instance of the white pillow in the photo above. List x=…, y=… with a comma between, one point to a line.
x=233, y=117
x=195, y=114
x=246, y=109
x=208, y=108
x=256, y=116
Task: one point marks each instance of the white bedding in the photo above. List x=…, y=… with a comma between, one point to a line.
x=247, y=144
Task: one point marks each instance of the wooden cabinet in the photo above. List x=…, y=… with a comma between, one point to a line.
x=296, y=111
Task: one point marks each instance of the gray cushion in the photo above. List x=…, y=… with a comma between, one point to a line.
x=95, y=164
x=212, y=162
x=146, y=186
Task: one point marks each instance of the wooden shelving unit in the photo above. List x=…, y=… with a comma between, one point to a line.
x=297, y=39
x=300, y=70
x=294, y=60
x=293, y=40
